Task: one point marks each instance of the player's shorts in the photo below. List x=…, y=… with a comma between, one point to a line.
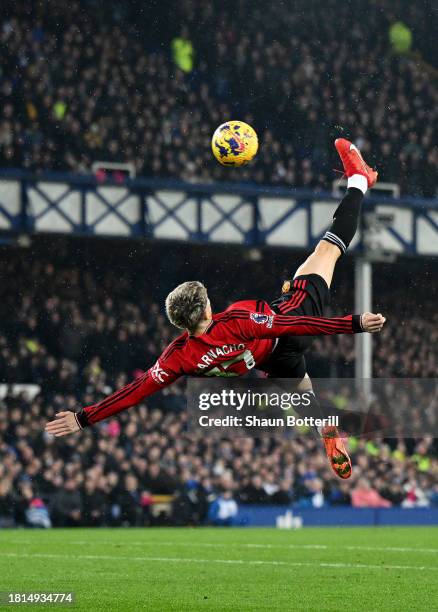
x=308, y=295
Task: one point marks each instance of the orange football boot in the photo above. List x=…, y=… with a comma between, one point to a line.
x=353, y=161
x=336, y=452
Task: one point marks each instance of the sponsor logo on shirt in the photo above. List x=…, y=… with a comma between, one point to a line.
x=158, y=374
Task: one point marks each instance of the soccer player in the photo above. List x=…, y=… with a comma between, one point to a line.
x=252, y=333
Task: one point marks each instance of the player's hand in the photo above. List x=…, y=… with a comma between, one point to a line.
x=372, y=323
x=65, y=423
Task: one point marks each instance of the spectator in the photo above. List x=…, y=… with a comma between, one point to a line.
x=129, y=501
x=190, y=505
x=182, y=50
x=93, y=504
x=254, y=493
x=157, y=481
x=339, y=494
x=37, y=514
x=310, y=493
x=283, y=496
x=67, y=505
x=7, y=503
x=364, y=496
x=223, y=511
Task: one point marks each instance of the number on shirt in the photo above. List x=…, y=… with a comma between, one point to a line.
x=246, y=356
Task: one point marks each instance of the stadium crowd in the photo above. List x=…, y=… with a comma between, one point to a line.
x=81, y=320
x=113, y=477
x=80, y=84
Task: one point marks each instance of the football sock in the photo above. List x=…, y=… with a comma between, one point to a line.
x=315, y=410
x=346, y=217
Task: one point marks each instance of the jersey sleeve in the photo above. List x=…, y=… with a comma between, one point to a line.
x=258, y=325
x=155, y=379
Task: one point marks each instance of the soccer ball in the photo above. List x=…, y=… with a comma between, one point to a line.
x=234, y=143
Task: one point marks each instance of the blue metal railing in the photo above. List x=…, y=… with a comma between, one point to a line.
x=223, y=212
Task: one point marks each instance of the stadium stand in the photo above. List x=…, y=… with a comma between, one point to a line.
x=78, y=85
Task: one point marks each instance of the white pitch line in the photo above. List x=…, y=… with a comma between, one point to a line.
x=221, y=561
x=395, y=549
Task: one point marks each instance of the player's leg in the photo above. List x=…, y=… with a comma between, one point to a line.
x=346, y=218
x=337, y=239
x=321, y=262
x=288, y=361
x=308, y=295
x=334, y=445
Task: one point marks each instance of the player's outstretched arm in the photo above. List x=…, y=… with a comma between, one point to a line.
x=256, y=325
x=151, y=381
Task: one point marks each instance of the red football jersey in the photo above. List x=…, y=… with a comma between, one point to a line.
x=237, y=340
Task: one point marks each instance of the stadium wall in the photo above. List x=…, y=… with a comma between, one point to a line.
x=239, y=214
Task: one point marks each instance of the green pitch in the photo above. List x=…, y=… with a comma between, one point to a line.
x=226, y=569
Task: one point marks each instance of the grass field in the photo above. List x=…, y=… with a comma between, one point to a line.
x=218, y=569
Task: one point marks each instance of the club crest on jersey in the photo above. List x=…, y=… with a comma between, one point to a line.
x=158, y=374
x=262, y=319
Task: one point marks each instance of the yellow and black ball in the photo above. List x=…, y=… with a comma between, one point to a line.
x=234, y=143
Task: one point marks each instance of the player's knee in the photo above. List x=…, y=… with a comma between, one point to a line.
x=305, y=384
x=325, y=248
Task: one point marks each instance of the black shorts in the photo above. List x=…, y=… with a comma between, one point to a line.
x=309, y=295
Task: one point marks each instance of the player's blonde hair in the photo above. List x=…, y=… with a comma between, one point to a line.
x=186, y=304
